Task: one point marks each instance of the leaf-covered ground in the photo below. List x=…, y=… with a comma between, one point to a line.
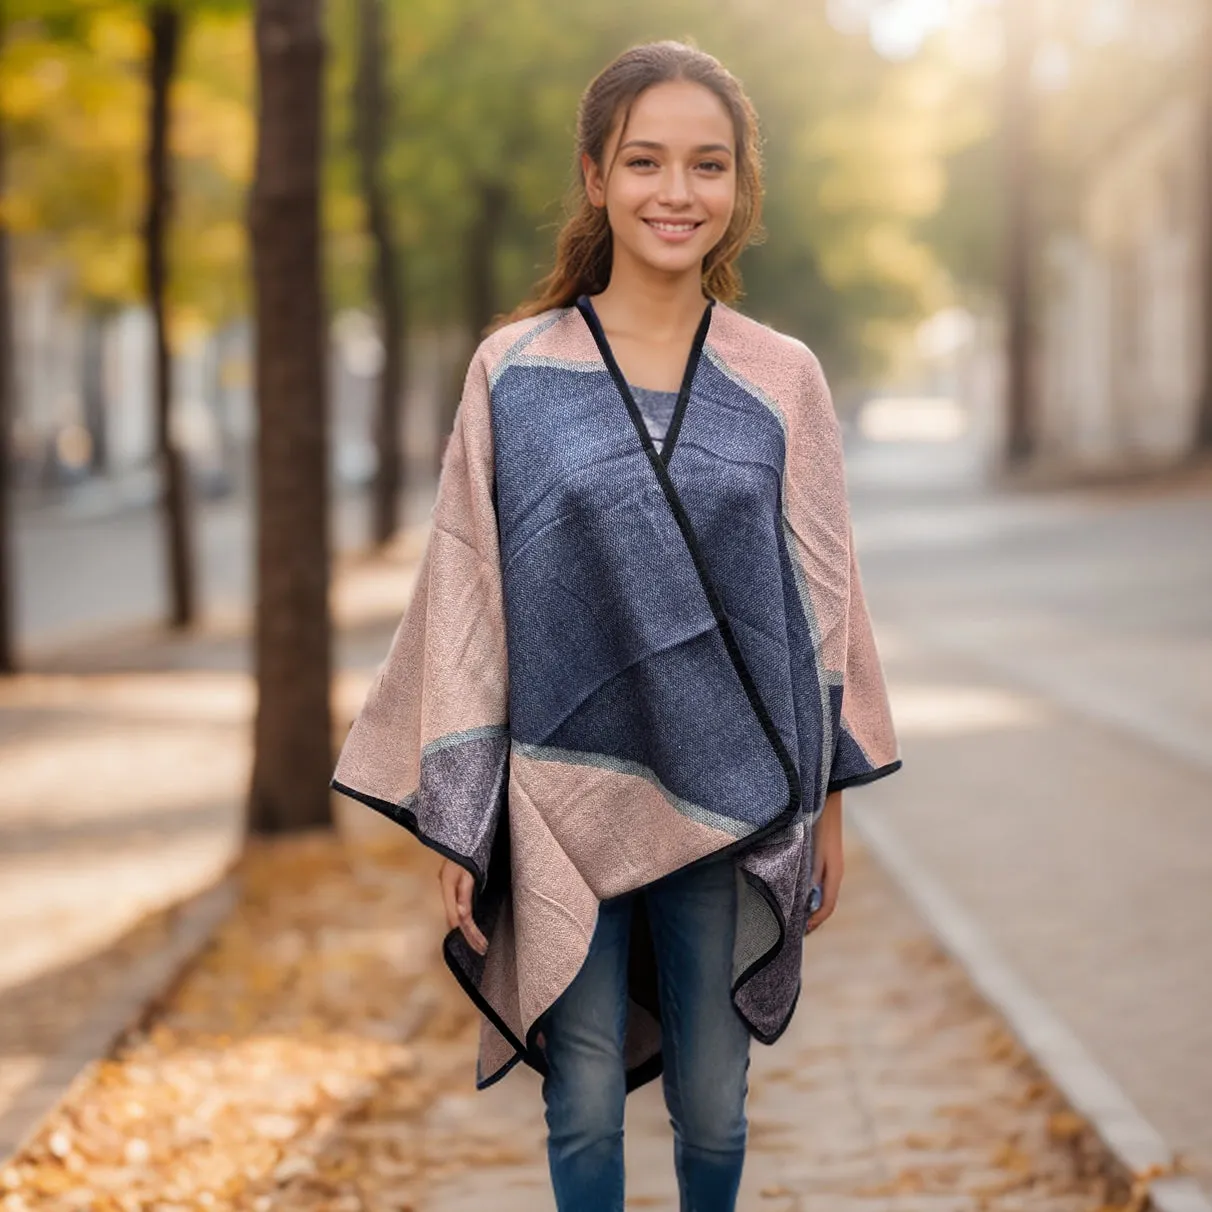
x=294, y=1064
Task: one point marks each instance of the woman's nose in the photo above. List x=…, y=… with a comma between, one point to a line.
x=675, y=186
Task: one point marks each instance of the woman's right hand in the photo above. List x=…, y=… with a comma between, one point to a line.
x=457, y=884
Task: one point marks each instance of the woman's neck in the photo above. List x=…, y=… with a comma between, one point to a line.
x=661, y=308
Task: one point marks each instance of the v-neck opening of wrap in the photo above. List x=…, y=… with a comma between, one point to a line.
x=660, y=464
x=585, y=306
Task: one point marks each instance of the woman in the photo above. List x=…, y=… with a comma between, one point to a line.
x=637, y=670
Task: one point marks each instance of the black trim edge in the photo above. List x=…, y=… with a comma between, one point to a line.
x=765, y=958
x=679, y=408
x=485, y=1008
x=766, y=1037
x=585, y=306
x=402, y=816
x=778, y=1032
x=528, y=1052
x=508, y=1067
x=859, y=780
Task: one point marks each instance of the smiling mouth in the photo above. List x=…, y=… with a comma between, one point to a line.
x=675, y=226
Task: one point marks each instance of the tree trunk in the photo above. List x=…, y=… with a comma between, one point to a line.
x=482, y=257
x=293, y=742
x=8, y=655
x=164, y=25
x=480, y=288
x=1203, y=429
x=1019, y=247
x=370, y=105
x=92, y=387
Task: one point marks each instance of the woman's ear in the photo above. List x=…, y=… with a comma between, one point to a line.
x=595, y=189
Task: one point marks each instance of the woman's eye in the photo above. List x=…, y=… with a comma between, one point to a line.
x=713, y=165
x=640, y=162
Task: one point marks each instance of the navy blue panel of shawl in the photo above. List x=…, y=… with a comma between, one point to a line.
x=553, y=428
x=727, y=471
x=611, y=637
x=683, y=714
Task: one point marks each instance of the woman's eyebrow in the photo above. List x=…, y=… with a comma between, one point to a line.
x=652, y=143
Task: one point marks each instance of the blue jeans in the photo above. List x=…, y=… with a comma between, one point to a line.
x=705, y=1044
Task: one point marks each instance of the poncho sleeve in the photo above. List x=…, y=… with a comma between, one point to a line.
x=864, y=743
x=866, y=747
x=430, y=746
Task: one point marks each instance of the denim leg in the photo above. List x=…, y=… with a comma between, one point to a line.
x=585, y=1089
x=705, y=1042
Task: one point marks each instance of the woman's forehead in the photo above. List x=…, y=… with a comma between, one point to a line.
x=678, y=114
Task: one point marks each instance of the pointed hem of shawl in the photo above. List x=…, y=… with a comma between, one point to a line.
x=870, y=776
x=767, y=957
x=529, y=1053
x=652, y=1066
x=402, y=816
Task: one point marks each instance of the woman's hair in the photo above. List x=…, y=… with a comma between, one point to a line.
x=583, y=248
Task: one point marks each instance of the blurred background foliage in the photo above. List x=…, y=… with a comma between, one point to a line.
x=884, y=193
x=74, y=100
x=869, y=211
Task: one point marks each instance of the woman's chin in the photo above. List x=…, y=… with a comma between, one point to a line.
x=673, y=261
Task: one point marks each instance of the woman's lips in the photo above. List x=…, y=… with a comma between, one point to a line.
x=674, y=231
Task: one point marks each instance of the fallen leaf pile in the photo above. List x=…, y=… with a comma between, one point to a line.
x=308, y=1060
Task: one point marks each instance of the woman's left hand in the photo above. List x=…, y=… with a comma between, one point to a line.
x=827, y=863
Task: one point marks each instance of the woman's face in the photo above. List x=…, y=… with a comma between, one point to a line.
x=672, y=189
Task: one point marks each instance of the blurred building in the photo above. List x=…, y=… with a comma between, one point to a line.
x=84, y=413
x=1120, y=355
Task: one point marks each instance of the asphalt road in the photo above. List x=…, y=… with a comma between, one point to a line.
x=81, y=570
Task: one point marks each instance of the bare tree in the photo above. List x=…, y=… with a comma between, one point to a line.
x=1203, y=434
x=480, y=291
x=293, y=742
x=1019, y=25
x=370, y=109
x=8, y=655
x=164, y=26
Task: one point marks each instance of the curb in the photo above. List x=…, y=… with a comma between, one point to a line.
x=1137, y=1148
x=194, y=920
x=1183, y=471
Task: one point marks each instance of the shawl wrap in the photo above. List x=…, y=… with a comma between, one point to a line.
x=617, y=662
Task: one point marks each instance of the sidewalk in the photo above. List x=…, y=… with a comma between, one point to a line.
x=320, y=1057
x=125, y=765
